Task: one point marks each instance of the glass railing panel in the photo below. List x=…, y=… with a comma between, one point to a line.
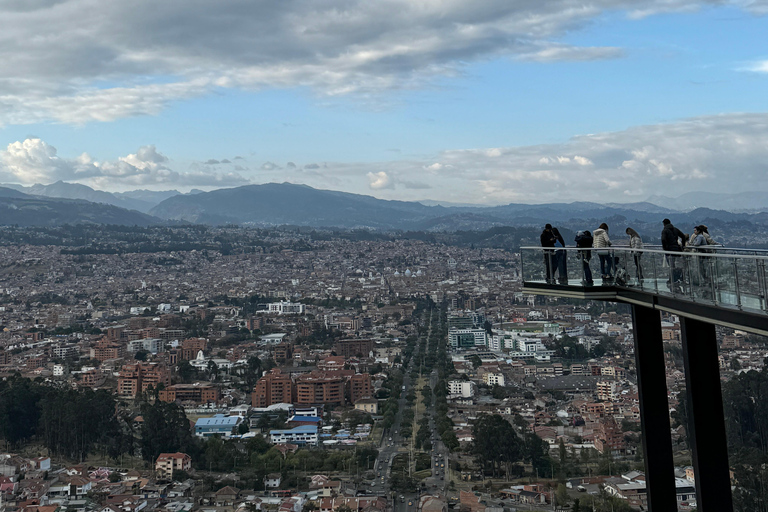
x=533, y=265
x=736, y=280
x=701, y=275
x=749, y=283
x=725, y=282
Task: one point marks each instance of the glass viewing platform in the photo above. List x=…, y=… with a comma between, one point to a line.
x=713, y=286
x=728, y=279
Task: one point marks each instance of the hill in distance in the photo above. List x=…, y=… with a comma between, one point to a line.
x=17, y=208
x=139, y=200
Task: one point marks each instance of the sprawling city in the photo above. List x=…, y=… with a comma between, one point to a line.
x=383, y=256
x=305, y=373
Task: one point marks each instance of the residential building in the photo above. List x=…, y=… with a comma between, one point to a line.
x=302, y=435
x=139, y=377
x=353, y=347
x=273, y=388
x=462, y=388
x=105, y=349
x=359, y=386
x=167, y=463
x=199, y=392
x=369, y=405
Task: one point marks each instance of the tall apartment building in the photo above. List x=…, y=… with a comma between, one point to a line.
x=283, y=351
x=321, y=388
x=273, y=388
x=359, y=386
x=138, y=377
x=115, y=333
x=608, y=436
x=353, y=347
x=105, y=349
x=200, y=392
x=191, y=346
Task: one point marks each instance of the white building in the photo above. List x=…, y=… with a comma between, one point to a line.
x=494, y=379
x=152, y=345
x=467, y=338
x=462, y=388
x=302, y=435
x=286, y=308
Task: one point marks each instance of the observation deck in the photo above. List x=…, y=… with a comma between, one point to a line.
x=721, y=286
x=724, y=286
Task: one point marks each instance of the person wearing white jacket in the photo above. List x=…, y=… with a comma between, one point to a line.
x=636, y=244
x=602, y=242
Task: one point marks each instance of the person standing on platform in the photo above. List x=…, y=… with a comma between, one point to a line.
x=548, y=240
x=673, y=240
x=601, y=243
x=584, y=240
x=561, y=258
x=636, y=244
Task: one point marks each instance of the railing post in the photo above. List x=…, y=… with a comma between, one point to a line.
x=736, y=282
x=654, y=409
x=706, y=420
x=655, y=274
x=713, y=278
x=762, y=284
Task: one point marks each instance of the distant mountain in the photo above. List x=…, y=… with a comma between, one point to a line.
x=150, y=197
x=284, y=203
x=300, y=205
x=741, y=202
x=140, y=200
x=17, y=208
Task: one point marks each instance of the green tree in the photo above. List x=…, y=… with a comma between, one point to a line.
x=165, y=429
x=496, y=443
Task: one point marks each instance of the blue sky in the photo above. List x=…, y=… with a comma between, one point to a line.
x=520, y=103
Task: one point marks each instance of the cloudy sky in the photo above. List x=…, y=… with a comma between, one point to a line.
x=483, y=101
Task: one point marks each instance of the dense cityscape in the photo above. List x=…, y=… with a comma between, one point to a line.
x=334, y=375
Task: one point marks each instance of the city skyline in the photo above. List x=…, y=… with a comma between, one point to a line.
x=610, y=101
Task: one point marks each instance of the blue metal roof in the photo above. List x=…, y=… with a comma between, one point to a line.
x=303, y=429
x=218, y=421
x=313, y=419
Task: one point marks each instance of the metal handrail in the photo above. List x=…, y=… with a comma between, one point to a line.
x=623, y=248
x=734, y=280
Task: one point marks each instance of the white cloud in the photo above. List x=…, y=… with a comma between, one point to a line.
x=270, y=166
x=379, y=180
x=756, y=67
x=101, y=61
x=715, y=153
x=36, y=161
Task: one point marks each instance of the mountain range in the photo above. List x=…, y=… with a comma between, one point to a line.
x=275, y=204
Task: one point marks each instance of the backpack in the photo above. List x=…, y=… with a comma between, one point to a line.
x=622, y=277
x=583, y=240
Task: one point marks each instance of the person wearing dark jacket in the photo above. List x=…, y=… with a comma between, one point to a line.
x=560, y=258
x=548, y=240
x=673, y=240
x=584, y=240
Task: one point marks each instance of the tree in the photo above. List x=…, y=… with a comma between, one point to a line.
x=185, y=370
x=165, y=429
x=495, y=443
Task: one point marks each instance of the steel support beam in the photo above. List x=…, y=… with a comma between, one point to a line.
x=706, y=421
x=654, y=410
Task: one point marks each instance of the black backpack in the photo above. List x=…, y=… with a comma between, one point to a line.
x=584, y=240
